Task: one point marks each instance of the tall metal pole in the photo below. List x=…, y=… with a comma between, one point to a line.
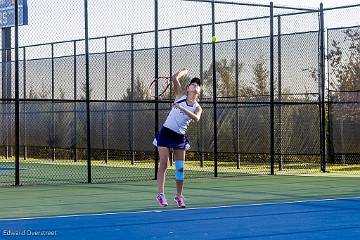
x=272, y=137
x=156, y=83
x=17, y=102
x=279, y=98
x=214, y=89
x=87, y=72
x=322, y=80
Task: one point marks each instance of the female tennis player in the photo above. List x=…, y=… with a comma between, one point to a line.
x=172, y=135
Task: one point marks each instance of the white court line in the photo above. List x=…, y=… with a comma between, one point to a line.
x=178, y=209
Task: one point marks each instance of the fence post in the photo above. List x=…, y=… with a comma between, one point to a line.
x=272, y=138
x=17, y=102
x=213, y=44
x=279, y=100
x=322, y=80
x=156, y=32
x=87, y=73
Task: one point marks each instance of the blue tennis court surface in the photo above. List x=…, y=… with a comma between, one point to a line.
x=317, y=219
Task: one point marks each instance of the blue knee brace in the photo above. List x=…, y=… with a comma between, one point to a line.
x=179, y=167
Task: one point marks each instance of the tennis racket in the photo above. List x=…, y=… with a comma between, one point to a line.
x=164, y=84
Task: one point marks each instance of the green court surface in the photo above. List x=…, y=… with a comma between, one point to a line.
x=61, y=200
x=45, y=171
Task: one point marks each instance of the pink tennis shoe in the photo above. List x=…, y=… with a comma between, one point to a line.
x=161, y=200
x=180, y=201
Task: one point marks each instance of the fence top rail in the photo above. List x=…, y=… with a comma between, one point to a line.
x=255, y=5
x=338, y=28
x=345, y=91
x=342, y=7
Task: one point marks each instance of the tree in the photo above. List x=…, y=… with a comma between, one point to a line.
x=259, y=85
x=261, y=74
x=32, y=93
x=83, y=90
x=62, y=93
x=81, y=118
x=344, y=59
x=226, y=87
x=135, y=112
x=44, y=93
x=345, y=62
x=226, y=84
x=139, y=93
x=227, y=119
x=63, y=121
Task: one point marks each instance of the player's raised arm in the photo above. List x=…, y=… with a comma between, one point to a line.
x=176, y=83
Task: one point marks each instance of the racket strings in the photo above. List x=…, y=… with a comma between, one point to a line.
x=163, y=83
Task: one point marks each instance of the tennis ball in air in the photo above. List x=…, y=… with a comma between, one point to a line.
x=213, y=39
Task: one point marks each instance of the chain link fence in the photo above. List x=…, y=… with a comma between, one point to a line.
x=84, y=115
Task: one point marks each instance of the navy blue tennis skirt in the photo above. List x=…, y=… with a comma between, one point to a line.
x=171, y=139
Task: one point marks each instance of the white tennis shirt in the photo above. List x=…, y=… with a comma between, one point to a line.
x=177, y=120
